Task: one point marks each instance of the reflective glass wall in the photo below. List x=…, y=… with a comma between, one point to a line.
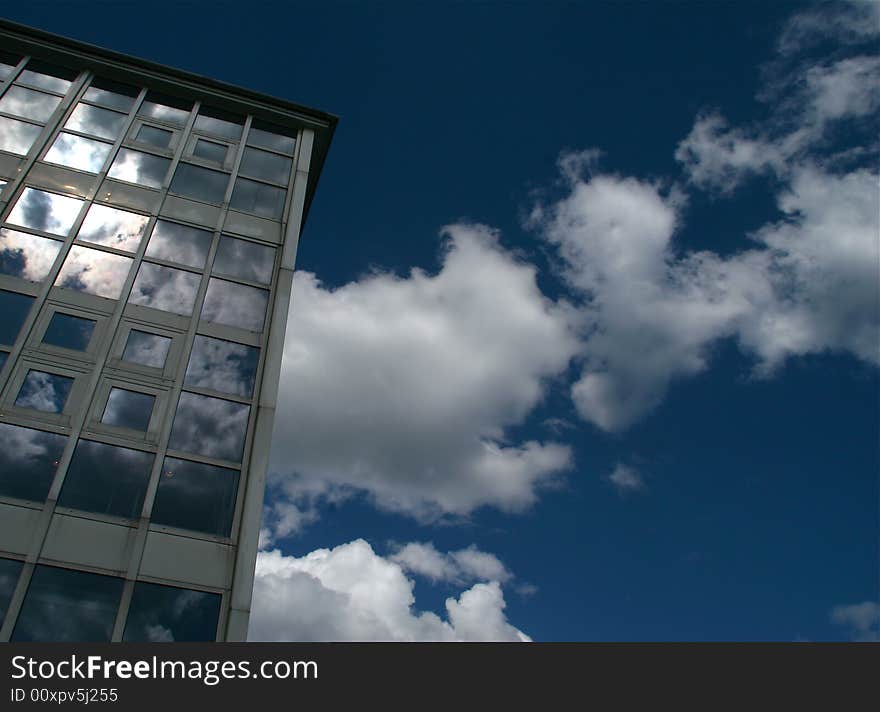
x=140, y=245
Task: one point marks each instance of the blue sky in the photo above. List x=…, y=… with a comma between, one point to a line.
x=584, y=339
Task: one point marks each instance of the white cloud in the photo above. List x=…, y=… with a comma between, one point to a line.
x=349, y=593
x=805, y=284
x=862, y=619
x=460, y=566
x=626, y=479
x=846, y=23
x=403, y=387
x=809, y=285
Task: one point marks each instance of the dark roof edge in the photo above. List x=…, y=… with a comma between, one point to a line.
x=324, y=123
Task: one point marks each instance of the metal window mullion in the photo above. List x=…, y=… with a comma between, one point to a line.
x=49, y=128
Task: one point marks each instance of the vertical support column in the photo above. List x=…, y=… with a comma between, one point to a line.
x=251, y=518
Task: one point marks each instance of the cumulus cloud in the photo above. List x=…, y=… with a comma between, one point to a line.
x=404, y=387
x=460, y=566
x=810, y=99
x=350, y=593
x=862, y=620
x=626, y=479
x=803, y=284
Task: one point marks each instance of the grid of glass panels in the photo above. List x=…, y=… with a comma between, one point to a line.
x=145, y=270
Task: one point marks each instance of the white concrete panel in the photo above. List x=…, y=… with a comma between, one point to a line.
x=88, y=542
x=195, y=561
x=191, y=211
x=17, y=528
x=252, y=226
x=126, y=195
x=67, y=181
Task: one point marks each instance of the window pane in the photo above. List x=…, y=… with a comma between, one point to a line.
x=268, y=166
x=129, y=409
x=44, y=211
x=4, y=355
x=218, y=124
x=269, y=137
x=165, y=288
x=17, y=136
x=94, y=272
x=116, y=96
x=196, y=496
x=165, y=109
x=106, y=479
x=112, y=227
x=14, y=309
x=210, y=151
x=44, y=391
x=73, y=151
x=165, y=614
x=146, y=349
x=28, y=460
x=179, y=243
x=247, y=260
x=98, y=122
x=154, y=136
x=209, y=426
x=68, y=605
x=141, y=168
x=26, y=256
x=9, y=571
x=258, y=198
x=28, y=103
x=7, y=67
x=199, y=183
x=69, y=332
x=222, y=366
x=45, y=77
x=235, y=305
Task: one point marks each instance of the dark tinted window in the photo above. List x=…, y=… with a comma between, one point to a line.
x=209, y=426
x=146, y=349
x=199, y=183
x=210, y=150
x=14, y=309
x=165, y=288
x=67, y=605
x=96, y=121
x=247, y=260
x=258, y=198
x=116, y=96
x=106, y=479
x=179, y=243
x=129, y=409
x=154, y=136
x=195, y=496
x=235, y=304
x=265, y=165
x=271, y=137
x=222, y=366
x=69, y=332
x=9, y=571
x=44, y=391
x=162, y=614
x=28, y=461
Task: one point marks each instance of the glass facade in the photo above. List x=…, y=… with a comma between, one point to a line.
x=141, y=234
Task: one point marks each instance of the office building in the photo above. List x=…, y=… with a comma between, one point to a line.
x=149, y=221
